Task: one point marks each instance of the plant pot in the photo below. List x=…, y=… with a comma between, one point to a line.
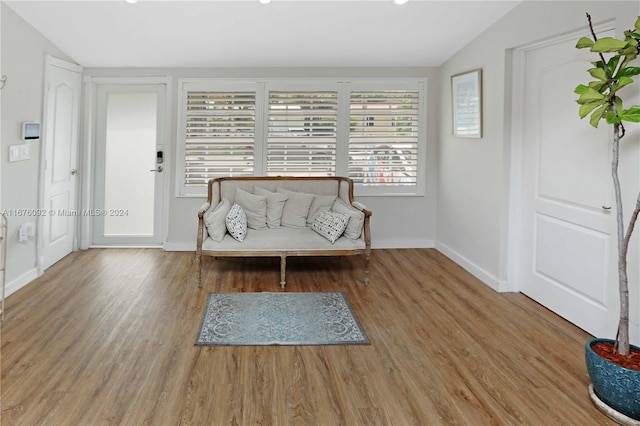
x=615, y=386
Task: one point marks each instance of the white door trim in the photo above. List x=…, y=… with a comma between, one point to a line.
x=514, y=157
x=88, y=153
x=50, y=61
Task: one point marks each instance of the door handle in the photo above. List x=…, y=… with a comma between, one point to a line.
x=606, y=207
x=157, y=169
x=74, y=172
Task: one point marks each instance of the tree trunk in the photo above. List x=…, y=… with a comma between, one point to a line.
x=623, y=245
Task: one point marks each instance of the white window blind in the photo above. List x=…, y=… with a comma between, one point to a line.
x=302, y=128
x=383, y=137
x=220, y=135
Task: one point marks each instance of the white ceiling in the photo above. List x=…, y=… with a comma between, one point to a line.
x=244, y=33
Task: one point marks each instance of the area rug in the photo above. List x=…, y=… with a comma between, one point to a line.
x=250, y=319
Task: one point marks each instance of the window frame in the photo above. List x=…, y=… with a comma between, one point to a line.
x=343, y=86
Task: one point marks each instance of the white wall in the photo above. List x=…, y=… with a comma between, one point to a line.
x=23, y=52
x=473, y=178
x=406, y=221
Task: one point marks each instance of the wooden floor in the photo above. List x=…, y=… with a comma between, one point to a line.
x=106, y=337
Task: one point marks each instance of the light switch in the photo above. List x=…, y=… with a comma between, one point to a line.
x=14, y=153
x=19, y=152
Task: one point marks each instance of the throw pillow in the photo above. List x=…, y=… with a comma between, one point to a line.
x=296, y=208
x=320, y=203
x=215, y=220
x=237, y=222
x=356, y=219
x=330, y=225
x=255, y=207
x=275, y=205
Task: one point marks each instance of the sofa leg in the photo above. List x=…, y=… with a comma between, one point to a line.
x=283, y=270
x=198, y=270
x=365, y=280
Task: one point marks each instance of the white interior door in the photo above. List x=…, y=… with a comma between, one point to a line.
x=63, y=87
x=568, y=248
x=129, y=165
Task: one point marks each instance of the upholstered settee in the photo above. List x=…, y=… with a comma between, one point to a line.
x=282, y=217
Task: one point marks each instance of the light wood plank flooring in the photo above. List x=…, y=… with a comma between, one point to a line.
x=106, y=337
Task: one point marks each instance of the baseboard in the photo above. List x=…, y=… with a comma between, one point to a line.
x=180, y=246
x=390, y=243
x=473, y=269
x=20, y=282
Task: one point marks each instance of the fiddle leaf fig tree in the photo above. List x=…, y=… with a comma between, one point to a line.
x=600, y=98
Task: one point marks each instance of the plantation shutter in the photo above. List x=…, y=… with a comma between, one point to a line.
x=220, y=135
x=383, y=137
x=301, y=136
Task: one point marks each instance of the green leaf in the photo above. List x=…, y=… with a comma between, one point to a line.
x=597, y=115
x=584, y=42
x=590, y=95
x=580, y=89
x=598, y=85
x=632, y=114
x=637, y=25
x=613, y=63
x=588, y=107
x=612, y=118
x=608, y=44
x=622, y=81
x=632, y=34
x=598, y=73
x=628, y=72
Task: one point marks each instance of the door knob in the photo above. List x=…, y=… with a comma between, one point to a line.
x=74, y=172
x=157, y=169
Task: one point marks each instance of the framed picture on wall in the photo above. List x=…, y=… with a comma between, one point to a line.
x=466, y=97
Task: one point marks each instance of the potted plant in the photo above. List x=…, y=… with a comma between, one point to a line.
x=614, y=365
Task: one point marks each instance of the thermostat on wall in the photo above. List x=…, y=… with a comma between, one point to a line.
x=30, y=131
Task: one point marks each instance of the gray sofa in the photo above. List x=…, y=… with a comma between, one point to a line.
x=278, y=224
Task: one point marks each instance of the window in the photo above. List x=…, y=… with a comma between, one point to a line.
x=383, y=137
x=301, y=138
x=370, y=130
x=220, y=135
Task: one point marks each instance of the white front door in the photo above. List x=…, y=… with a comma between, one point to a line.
x=568, y=246
x=129, y=165
x=62, y=102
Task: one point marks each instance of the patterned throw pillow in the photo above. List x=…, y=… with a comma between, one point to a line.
x=237, y=222
x=330, y=225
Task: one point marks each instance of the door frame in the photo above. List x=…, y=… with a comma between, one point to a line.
x=516, y=59
x=513, y=156
x=89, y=148
x=40, y=235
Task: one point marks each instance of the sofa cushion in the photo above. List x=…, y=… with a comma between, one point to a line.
x=280, y=239
x=237, y=222
x=330, y=225
x=215, y=219
x=320, y=203
x=255, y=207
x=356, y=220
x=296, y=208
x=275, y=205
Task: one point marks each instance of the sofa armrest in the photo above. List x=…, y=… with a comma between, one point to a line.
x=203, y=209
x=366, y=231
x=201, y=228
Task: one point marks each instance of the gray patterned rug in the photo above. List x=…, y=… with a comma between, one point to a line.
x=246, y=319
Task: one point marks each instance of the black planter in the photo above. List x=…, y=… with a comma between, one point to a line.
x=616, y=386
